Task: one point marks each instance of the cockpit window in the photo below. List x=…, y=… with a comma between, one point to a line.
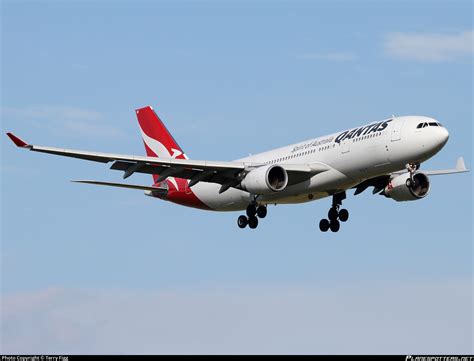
x=431, y=124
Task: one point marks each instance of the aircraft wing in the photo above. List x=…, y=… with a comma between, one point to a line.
x=460, y=168
x=228, y=174
x=380, y=182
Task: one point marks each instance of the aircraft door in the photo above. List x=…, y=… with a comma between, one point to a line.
x=346, y=146
x=397, y=129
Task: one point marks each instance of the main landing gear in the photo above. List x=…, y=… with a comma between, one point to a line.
x=411, y=168
x=253, y=211
x=335, y=214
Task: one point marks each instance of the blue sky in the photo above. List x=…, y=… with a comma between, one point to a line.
x=91, y=270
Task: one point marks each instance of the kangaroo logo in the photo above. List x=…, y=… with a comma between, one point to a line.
x=162, y=152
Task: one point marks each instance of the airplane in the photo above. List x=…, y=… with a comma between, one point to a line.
x=385, y=155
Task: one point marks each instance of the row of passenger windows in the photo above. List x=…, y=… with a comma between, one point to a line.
x=367, y=137
x=321, y=149
x=432, y=124
x=300, y=154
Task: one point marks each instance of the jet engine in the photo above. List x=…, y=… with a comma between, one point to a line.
x=402, y=188
x=265, y=180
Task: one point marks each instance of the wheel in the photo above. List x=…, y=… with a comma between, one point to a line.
x=242, y=222
x=324, y=225
x=332, y=214
x=343, y=215
x=262, y=212
x=335, y=225
x=251, y=210
x=253, y=222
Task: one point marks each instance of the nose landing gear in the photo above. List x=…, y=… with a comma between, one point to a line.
x=253, y=211
x=335, y=214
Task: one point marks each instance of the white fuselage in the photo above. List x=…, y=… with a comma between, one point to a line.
x=353, y=155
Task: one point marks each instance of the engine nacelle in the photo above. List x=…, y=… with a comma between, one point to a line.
x=265, y=180
x=400, y=188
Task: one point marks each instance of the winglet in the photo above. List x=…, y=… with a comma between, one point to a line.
x=18, y=142
x=460, y=164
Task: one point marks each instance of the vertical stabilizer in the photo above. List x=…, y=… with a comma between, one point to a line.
x=157, y=139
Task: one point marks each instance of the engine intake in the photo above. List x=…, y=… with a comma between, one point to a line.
x=400, y=188
x=265, y=180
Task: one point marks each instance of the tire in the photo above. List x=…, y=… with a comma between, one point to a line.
x=343, y=215
x=253, y=222
x=251, y=210
x=335, y=226
x=324, y=225
x=242, y=222
x=332, y=214
x=262, y=212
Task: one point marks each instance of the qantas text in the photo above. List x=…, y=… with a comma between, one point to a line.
x=372, y=128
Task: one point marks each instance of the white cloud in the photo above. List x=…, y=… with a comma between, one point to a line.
x=75, y=121
x=429, y=47
x=388, y=318
x=337, y=56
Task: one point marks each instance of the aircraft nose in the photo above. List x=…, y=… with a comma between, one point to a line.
x=443, y=136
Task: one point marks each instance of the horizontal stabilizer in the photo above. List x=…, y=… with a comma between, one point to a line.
x=123, y=185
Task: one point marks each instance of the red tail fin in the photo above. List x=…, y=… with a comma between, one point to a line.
x=160, y=143
x=157, y=139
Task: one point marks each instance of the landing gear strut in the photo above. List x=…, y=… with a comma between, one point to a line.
x=253, y=211
x=335, y=214
x=411, y=168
